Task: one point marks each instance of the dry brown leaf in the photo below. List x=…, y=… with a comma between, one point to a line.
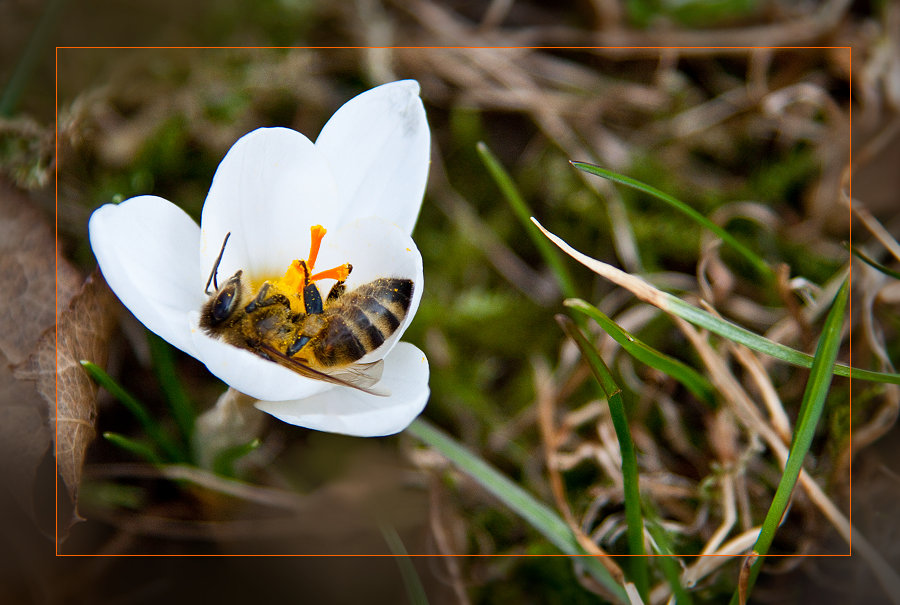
x=28, y=266
x=27, y=275
x=24, y=438
x=39, y=280
x=82, y=333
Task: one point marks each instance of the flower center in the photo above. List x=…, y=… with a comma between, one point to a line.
x=301, y=273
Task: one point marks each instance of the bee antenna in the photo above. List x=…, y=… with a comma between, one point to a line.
x=212, y=275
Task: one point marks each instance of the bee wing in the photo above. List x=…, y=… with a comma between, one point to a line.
x=361, y=376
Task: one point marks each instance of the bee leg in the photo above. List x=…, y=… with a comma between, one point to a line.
x=296, y=346
x=310, y=327
x=312, y=299
x=264, y=300
x=336, y=291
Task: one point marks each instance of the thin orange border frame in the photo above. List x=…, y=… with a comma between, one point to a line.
x=583, y=48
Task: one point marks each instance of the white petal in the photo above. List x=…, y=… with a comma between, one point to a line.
x=147, y=250
x=379, y=144
x=353, y=412
x=375, y=248
x=272, y=185
x=249, y=373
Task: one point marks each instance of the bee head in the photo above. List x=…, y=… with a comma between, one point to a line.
x=223, y=303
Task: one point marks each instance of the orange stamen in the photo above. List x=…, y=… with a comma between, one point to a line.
x=339, y=273
x=316, y=232
x=295, y=277
x=299, y=273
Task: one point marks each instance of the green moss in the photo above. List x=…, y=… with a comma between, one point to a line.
x=226, y=108
x=694, y=13
x=538, y=578
x=25, y=155
x=784, y=177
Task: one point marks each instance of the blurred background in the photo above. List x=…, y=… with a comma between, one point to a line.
x=757, y=139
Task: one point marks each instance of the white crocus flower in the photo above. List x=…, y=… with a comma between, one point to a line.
x=363, y=180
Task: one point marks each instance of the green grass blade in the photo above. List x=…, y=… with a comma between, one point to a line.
x=754, y=341
x=540, y=516
x=224, y=462
x=172, y=451
x=674, y=305
x=810, y=412
x=633, y=517
x=415, y=592
x=141, y=450
x=668, y=564
x=701, y=220
x=695, y=382
x=523, y=213
x=871, y=261
x=94, y=495
x=38, y=42
x=183, y=411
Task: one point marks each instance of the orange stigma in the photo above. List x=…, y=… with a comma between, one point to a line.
x=316, y=233
x=300, y=273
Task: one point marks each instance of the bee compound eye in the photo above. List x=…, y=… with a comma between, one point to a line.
x=223, y=305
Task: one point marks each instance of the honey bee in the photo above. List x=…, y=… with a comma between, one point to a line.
x=287, y=321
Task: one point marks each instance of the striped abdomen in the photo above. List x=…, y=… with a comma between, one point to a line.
x=358, y=322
